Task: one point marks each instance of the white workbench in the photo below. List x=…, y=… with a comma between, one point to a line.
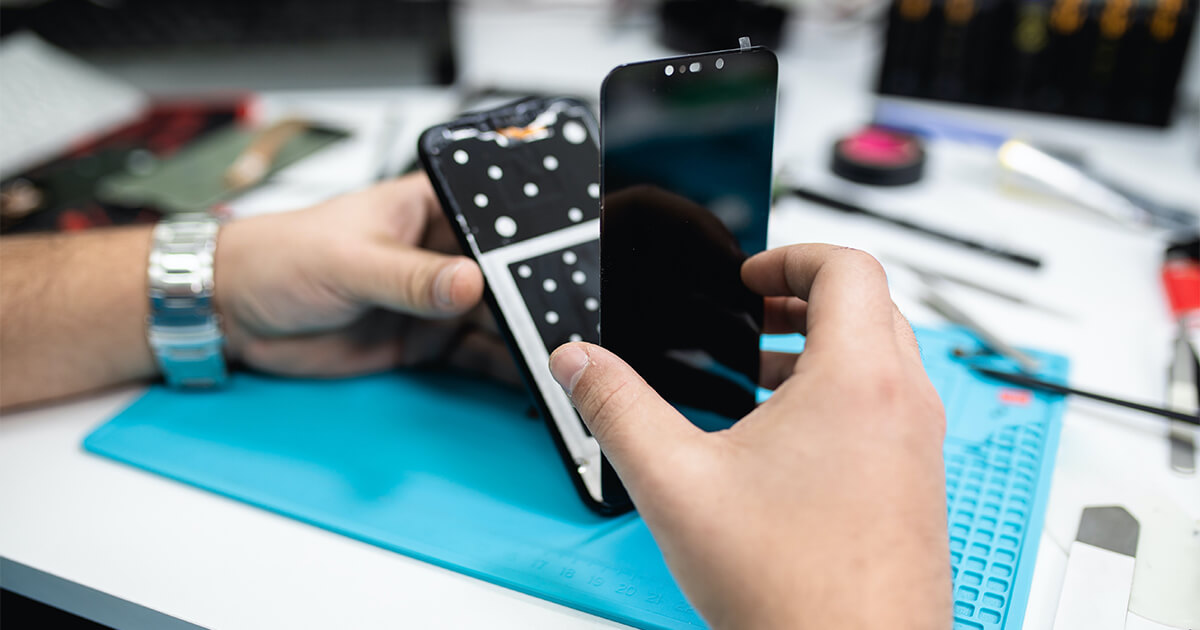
x=218, y=563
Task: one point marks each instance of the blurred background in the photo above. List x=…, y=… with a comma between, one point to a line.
x=1026, y=169
x=76, y=70
x=1035, y=155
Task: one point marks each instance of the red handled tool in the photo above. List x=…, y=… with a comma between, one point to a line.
x=1181, y=280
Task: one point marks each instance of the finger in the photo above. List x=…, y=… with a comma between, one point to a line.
x=775, y=368
x=846, y=291
x=438, y=236
x=785, y=315
x=410, y=280
x=411, y=212
x=428, y=197
x=407, y=197
x=404, y=191
x=635, y=427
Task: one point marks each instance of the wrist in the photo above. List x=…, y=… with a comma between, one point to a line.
x=226, y=260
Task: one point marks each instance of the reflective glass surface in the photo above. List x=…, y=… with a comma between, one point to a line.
x=686, y=176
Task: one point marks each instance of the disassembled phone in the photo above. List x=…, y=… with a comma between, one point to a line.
x=686, y=185
x=520, y=185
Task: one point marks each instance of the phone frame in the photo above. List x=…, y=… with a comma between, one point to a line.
x=594, y=479
x=708, y=61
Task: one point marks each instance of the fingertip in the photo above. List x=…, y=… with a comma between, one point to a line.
x=459, y=286
x=469, y=280
x=567, y=364
x=628, y=419
x=753, y=270
x=755, y=256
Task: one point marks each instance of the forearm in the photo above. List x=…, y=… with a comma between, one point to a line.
x=72, y=313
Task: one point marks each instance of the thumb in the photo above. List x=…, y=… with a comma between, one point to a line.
x=633, y=424
x=412, y=280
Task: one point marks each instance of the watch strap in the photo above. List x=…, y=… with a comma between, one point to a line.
x=183, y=328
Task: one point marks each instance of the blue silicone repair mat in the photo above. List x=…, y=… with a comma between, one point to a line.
x=452, y=471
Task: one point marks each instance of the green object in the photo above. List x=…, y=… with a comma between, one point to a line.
x=193, y=180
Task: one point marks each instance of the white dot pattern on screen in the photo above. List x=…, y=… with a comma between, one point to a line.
x=481, y=200
x=531, y=189
x=591, y=304
x=550, y=162
x=524, y=271
x=578, y=277
x=594, y=191
x=575, y=337
x=575, y=214
x=495, y=172
x=574, y=132
x=551, y=317
x=505, y=226
x=569, y=257
x=549, y=285
x=461, y=156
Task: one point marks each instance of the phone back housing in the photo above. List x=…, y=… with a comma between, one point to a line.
x=520, y=186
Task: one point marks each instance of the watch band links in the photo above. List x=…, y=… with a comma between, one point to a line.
x=183, y=328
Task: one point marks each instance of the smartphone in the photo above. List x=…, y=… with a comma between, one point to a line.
x=520, y=186
x=686, y=160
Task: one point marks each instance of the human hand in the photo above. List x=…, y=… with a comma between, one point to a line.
x=825, y=506
x=356, y=284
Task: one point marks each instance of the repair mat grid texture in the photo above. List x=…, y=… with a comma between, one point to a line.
x=407, y=462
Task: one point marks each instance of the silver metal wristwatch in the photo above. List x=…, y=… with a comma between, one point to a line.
x=183, y=329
